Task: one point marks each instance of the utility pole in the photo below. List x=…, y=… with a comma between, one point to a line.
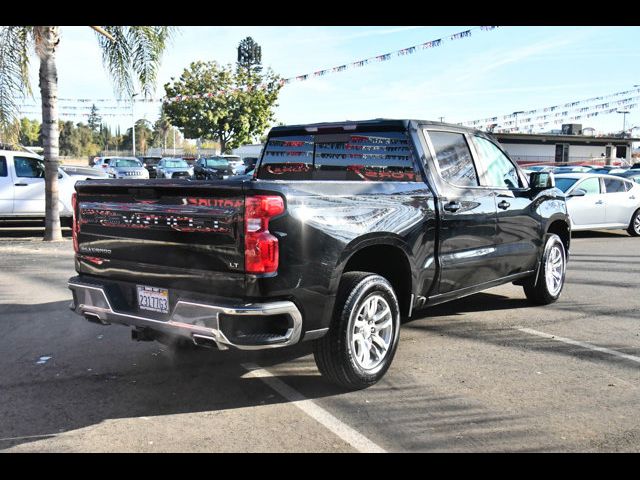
x=624, y=120
x=441, y=119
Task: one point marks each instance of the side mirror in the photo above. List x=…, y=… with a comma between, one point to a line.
x=578, y=192
x=541, y=180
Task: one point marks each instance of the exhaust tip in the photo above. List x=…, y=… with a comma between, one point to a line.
x=204, y=341
x=93, y=318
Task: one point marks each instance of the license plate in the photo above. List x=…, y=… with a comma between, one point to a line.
x=153, y=299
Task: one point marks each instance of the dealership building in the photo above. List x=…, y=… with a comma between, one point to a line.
x=571, y=145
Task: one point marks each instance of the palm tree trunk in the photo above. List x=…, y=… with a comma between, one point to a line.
x=47, y=41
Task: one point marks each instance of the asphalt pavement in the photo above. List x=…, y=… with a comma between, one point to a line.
x=486, y=373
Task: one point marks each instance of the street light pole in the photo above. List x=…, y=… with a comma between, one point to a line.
x=133, y=130
x=624, y=120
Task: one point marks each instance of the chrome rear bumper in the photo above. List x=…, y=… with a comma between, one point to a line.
x=193, y=320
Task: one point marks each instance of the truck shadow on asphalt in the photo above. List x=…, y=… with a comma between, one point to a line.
x=600, y=234
x=478, y=302
x=97, y=373
x=435, y=321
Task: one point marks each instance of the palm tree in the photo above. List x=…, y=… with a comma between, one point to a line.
x=131, y=55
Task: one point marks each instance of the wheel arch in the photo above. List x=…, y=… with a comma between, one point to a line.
x=387, y=255
x=562, y=228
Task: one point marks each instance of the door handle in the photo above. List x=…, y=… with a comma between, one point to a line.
x=599, y=202
x=452, y=206
x=632, y=197
x=504, y=205
x=21, y=184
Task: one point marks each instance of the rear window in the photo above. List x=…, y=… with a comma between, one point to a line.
x=124, y=162
x=369, y=156
x=3, y=167
x=288, y=158
x=215, y=162
x=175, y=164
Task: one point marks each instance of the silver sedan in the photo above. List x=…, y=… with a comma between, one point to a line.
x=599, y=202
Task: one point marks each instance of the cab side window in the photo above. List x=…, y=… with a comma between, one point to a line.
x=29, y=167
x=454, y=158
x=590, y=185
x=495, y=168
x=3, y=167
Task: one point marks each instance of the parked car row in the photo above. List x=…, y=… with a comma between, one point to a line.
x=210, y=168
x=607, y=169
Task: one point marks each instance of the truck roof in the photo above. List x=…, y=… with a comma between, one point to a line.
x=359, y=125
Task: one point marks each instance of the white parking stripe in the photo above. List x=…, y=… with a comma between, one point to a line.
x=345, y=432
x=581, y=344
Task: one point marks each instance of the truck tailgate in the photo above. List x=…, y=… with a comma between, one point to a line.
x=164, y=231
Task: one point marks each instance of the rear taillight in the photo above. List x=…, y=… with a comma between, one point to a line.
x=75, y=228
x=104, y=165
x=260, y=247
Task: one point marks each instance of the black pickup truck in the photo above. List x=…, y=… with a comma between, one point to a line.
x=344, y=230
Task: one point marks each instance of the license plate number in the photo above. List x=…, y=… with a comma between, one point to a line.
x=153, y=299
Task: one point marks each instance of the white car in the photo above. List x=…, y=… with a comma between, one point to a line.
x=235, y=162
x=122, y=167
x=601, y=202
x=22, y=185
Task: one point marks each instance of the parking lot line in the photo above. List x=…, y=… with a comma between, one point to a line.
x=345, y=432
x=580, y=344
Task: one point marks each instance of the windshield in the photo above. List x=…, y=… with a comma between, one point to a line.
x=124, y=162
x=216, y=163
x=177, y=163
x=565, y=184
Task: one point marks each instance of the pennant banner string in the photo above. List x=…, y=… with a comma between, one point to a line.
x=553, y=108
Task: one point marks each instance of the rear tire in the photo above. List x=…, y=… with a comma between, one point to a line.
x=363, y=336
x=634, y=225
x=551, y=275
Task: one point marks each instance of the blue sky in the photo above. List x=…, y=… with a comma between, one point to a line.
x=491, y=73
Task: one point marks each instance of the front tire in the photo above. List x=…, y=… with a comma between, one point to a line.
x=551, y=274
x=634, y=225
x=363, y=336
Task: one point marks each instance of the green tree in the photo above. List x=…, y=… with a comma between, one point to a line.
x=95, y=120
x=105, y=137
x=160, y=131
x=29, y=133
x=144, y=134
x=241, y=109
x=249, y=56
x=131, y=55
x=65, y=138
